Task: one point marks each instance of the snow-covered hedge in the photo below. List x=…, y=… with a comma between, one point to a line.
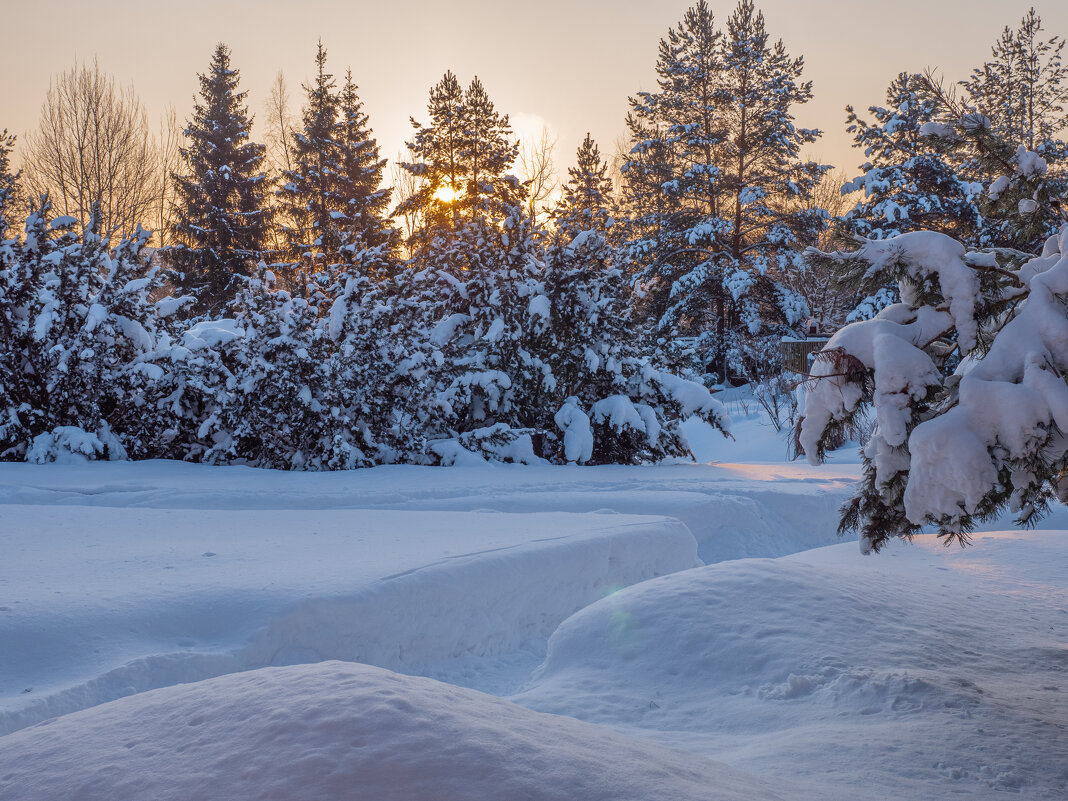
x=522, y=353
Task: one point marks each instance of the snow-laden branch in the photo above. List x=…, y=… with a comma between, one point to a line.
x=969, y=394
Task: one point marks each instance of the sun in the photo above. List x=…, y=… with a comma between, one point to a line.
x=446, y=194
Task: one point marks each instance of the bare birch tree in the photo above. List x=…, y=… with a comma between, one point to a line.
x=281, y=125
x=93, y=145
x=536, y=168
x=170, y=136
x=405, y=184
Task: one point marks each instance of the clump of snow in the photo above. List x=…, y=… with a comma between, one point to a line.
x=167, y=306
x=212, y=333
x=578, y=434
x=940, y=130
x=1029, y=166
x=337, y=731
x=929, y=254
x=70, y=444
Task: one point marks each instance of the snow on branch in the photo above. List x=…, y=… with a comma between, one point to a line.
x=966, y=380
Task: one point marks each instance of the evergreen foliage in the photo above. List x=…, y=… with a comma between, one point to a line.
x=951, y=164
x=222, y=215
x=460, y=157
x=586, y=204
x=714, y=187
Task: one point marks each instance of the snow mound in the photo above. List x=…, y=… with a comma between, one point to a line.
x=950, y=664
x=340, y=731
x=128, y=600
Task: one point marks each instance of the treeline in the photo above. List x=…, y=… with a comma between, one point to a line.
x=304, y=317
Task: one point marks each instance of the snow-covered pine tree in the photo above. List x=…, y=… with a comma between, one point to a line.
x=472, y=258
x=966, y=380
x=714, y=263
x=587, y=202
x=1022, y=93
x=671, y=195
x=275, y=413
x=488, y=149
x=943, y=163
x=1023, y=89
x=311, y=192
x=377, y=402
x=912, y=178
x=472, y=287
x=366, y=222
x=222, y=213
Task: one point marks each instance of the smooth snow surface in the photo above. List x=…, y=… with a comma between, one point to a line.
x=127, y=600
x=343, y=731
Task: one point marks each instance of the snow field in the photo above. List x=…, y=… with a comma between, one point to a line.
x=921, y=673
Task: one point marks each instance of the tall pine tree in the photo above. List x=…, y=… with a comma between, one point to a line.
x=222, y=211
x=587, y=197
x=461, y=158
x=712, y=190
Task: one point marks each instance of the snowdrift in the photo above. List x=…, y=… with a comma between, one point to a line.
x=126, y=600
x=337, y=731
x=924, y=672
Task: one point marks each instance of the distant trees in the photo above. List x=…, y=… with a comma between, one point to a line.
x=222, y=215
x=93, y=149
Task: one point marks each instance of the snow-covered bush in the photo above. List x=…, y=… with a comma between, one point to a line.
x=966, y=380
x=494, y=347
x=77, y=318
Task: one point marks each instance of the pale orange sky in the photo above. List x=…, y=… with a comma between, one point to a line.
x=569, y=63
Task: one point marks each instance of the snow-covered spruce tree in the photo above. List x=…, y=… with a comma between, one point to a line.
x=78, y=320
x=586, y=203
x=966, y=380
x=712, y=262
x=310, y=191
x=609, y=403
x=911, y=180
x=369, y=238
x=17, y=287
x=222, y=213
x=9, y=185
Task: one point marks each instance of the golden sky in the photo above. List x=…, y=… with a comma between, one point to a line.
x=568, y=63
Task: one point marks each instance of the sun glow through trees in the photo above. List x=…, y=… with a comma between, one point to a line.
x=446, y=193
